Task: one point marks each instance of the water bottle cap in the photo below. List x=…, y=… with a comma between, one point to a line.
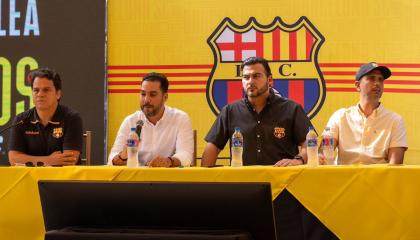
x=133, y=129
x=311, y=128
x=237, y=129
x=327, y=128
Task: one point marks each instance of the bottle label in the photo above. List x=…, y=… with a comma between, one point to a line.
x=312, y=142
x=237, y=143
x=328, y=142
x=131, y=143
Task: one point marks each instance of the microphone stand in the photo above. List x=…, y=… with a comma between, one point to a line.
x=13, y=125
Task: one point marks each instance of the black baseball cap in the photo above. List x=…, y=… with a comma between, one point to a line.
x=368, y=67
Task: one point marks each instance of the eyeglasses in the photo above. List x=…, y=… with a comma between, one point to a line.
x=31, y=164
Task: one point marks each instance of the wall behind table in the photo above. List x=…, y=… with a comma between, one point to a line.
x=172, y=37
x=68, y=36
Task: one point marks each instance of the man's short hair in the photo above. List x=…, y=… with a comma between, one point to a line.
x=45, y=73
x=158, y=77
x=256, y=60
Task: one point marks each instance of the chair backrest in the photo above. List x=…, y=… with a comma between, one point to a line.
x=194, y=157
x=88, y=148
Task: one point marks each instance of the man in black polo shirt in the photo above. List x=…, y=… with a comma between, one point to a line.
x=272, y=126
x=48, y=134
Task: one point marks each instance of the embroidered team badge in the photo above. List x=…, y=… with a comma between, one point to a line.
x=279, y=132
x=292, y=51
x=57, y=132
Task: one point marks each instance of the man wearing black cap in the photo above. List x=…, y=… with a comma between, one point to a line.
x=369, y=133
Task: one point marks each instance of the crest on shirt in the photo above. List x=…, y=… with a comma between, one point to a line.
x=279, y=132
x=57, y=132
x=292, y=52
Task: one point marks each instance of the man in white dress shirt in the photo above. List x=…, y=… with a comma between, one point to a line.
x=369, y=133
x=166, y=138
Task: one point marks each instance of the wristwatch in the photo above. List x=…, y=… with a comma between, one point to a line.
x=298, y=157
x=124, y=159
x=172, y=161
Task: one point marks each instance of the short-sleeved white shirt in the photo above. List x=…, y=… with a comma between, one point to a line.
x=366, y=139
x=171, y=136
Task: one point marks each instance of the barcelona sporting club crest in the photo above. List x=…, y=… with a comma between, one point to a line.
x=292, y=51
x=279, y=132
x=57, y=132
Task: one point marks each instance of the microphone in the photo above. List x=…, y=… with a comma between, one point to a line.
x=139, y=125
x=13, y=125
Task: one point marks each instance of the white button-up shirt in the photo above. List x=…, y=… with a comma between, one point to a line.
x=366, y=139
x=172, y=136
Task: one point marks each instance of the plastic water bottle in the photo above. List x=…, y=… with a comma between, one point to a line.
x=312, y=147
x=132, y=150
x=237, y=148
x=328, y=146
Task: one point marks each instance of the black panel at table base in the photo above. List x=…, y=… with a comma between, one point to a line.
x=294, y=221
x=143, y=234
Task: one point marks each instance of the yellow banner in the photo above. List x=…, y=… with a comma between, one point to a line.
x=314, y=48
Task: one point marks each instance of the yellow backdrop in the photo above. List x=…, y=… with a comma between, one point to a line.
x=171, y=37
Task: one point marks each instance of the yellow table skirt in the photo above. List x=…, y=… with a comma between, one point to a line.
x=354, y=202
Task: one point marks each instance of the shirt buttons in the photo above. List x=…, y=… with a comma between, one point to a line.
x=258, y=122
x=259, y=150
x=258, y=136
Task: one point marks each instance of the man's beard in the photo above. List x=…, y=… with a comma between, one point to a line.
x=150, y=111
x=258, y=92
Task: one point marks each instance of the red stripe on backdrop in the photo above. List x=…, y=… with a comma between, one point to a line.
x=296, y=91
x=339, y=73
x=170, y=91
x=340, y=64
x=402, y=65
x=127, y=67
x=346, y=73
x=170, y=83
x=309, y=44
x=275, y=36
x=395, y=65
x=400, y=82
x=115, y=83
x=341, y=89
x=292, y=46
x=238, y=44
x=260, y=44
x=340, y=81
x=126, y=75
x=123, y=91
x=234, y=91
x=390, y=90
x=398, y=90
x=187, y=90
x=405, y=73
x=276, y=44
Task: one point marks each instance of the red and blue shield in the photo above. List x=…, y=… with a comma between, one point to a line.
x=292, y=52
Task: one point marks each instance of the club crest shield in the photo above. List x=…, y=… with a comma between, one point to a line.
x=279, y=132
x=292, y=52
x=57, y=132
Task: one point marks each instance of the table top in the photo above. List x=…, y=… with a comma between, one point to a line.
x=353, y=201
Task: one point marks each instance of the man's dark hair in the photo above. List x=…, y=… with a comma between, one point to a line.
x=158, y=77
x=45, y=73
x=256, y=60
